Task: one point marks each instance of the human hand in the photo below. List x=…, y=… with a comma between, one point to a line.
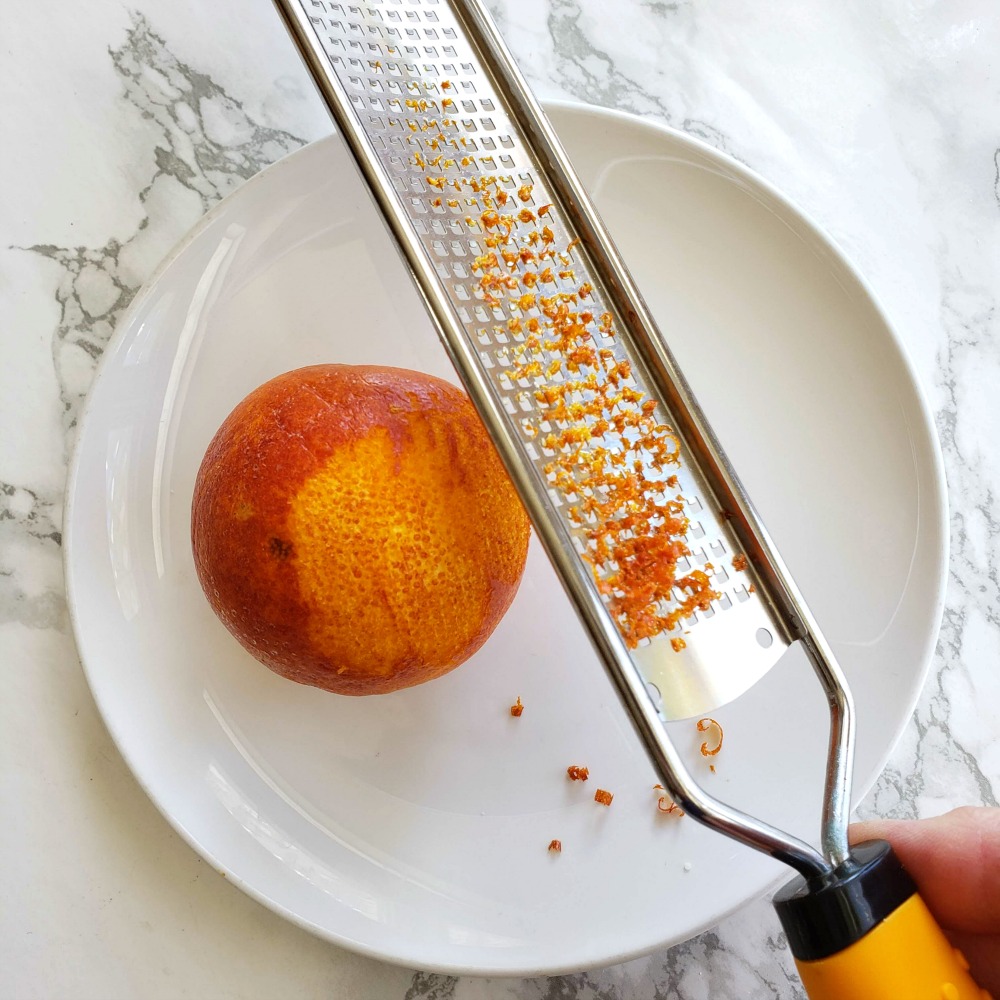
x=955, y=861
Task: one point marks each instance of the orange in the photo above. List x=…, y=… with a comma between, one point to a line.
x=354, y=528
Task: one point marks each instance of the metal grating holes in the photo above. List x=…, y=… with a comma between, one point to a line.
x=507, y=261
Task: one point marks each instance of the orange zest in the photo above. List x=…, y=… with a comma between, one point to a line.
x=704, y=726
x=608, y=454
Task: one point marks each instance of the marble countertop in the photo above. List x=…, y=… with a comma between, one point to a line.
x=124, y=123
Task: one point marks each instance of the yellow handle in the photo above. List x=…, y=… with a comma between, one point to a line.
x=906, y=957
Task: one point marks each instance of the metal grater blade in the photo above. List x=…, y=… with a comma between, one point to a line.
x=435, y=112
x=430, y=111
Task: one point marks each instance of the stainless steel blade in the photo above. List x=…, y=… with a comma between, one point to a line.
x=455, y=149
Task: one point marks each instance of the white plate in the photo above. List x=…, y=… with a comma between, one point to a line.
x=414, y=826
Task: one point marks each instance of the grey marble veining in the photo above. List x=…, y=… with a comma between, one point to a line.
x=203, y=145
x=882, y=142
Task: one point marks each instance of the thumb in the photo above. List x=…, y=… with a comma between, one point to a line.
x=955, y=861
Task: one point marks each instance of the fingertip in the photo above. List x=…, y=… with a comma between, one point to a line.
x=875, y=829
x=954, y=859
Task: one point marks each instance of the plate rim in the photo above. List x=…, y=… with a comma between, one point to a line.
x=937, y=487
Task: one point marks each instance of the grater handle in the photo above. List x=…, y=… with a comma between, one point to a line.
x=905, y=956
x=864, y=931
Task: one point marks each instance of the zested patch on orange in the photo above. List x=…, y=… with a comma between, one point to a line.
x=354, y=529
